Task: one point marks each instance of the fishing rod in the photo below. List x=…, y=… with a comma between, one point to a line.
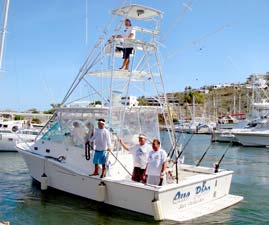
x=184, y=147
x=130, y=173
x=178, y=156
x=120, y=163
x=161, y=180
x=200, y=160
x=173, y=147
x=217, y=165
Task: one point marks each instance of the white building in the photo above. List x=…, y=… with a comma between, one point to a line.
x=129, y=101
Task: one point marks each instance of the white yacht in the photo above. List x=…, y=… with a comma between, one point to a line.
x=13, y=125
x=226, y=135
x=229, y=122
x=60, y=160
x=257, y=134
x=9, y=139
x=250, y=132
x=14, y=131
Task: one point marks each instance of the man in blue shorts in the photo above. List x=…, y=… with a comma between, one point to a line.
x=102, y=140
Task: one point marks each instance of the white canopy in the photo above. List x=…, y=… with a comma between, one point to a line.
x=137, y=12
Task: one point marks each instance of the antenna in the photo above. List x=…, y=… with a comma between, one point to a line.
x=3, y=33
x=86, y=22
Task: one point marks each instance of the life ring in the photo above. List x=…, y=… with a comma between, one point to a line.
x=15, y=129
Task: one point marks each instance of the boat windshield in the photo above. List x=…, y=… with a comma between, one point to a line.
x=76, y=127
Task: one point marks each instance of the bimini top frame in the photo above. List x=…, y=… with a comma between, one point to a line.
x=137, y=12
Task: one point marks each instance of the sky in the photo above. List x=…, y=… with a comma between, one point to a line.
x=215, y=41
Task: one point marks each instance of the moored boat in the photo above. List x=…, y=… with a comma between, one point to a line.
x=12, y=132
x=60, y=158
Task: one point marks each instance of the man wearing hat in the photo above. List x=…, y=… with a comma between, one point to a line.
x=102, y=140
x=140, y=154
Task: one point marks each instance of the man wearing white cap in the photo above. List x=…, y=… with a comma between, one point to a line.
x=102, y=140
x=140, y=154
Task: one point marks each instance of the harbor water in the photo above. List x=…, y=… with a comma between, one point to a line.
x=22, y=202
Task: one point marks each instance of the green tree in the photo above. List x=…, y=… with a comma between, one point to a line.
x=18, y=117
x=33, y=110
x=142, y=101
x=52, y=110
x=36, y=120
x=198, y=97
x=96, y=103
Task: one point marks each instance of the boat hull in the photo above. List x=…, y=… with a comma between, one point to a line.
x=223, y=136
x=8, y=143
x=175, y=200
x=253, y=139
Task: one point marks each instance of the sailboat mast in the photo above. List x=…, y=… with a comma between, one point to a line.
x=193, y=108
x=3, y=33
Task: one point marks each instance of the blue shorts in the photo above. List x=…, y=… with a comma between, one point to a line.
x=99, y=157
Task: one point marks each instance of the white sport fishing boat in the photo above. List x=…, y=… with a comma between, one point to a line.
x=226, y=135
x=14, y=131
x=9, y=139
x=257, y=135
x=59, y=158
x=250, y=132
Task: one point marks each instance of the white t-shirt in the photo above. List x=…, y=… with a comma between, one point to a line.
x=140, y=154
x=79, y=134
x=155, y=162
x=127, y=31
x=101, y=138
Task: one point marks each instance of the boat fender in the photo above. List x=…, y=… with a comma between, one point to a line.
x=101, y=192
x=44, y=182
x=157, y=210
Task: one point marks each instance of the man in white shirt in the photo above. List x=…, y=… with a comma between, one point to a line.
x=128, y=33
x=78, y=134
x=156, y=166
x=140, y=154
x=102, y=140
